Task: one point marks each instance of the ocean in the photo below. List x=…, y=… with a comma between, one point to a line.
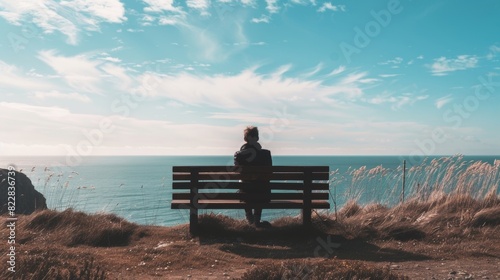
x=138, y=188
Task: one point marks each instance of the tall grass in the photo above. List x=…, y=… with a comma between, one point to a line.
x=426, y=181
x=56, y=185
x=449, y=195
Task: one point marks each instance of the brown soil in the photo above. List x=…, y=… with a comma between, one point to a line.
x=228, y=248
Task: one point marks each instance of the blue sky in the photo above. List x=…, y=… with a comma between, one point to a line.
x=161, y=77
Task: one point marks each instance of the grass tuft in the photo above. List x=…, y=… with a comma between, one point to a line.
x=326, y=270
x=486, y=217
x=51, y=266
x=77, y=228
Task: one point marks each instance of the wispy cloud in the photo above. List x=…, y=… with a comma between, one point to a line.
x=67, y=17
x=111, y=59
x=314, y=71
x=157, y=6
x=80, y=72
x=337, y=70
x=494, y=50
x=261, y=19
x=395, y=61
x=61, y=130
x=397, y=101
x=11, y=78
x=201, y=5
x=328, y=6
x=388, y=75
x=249, y=89
x=443, y=66
x=272, y=6
x=443, y=101
x=243, y=118
x=66, y=96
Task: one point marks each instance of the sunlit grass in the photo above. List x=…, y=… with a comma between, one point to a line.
x=426, y=181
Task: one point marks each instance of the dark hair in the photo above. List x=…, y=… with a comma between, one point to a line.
x=250, y=131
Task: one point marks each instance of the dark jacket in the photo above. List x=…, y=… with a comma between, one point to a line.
x=254, y=155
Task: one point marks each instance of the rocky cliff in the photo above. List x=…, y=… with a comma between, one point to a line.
x=27, y=199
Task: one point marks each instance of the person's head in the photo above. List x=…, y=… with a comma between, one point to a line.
x=251, y=134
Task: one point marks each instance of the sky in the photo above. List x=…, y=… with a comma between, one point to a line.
x=168, y=77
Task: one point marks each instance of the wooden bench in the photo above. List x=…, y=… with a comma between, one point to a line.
x=215, y=187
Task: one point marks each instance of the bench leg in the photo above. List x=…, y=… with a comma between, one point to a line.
x=306, y=216
x=193, y=221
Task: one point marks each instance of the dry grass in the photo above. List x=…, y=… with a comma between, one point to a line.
x=74, y=228
x=53, y=267
x=452, y=215
x=331, y=270
x=69, y=244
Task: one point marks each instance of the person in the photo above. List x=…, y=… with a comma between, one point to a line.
x=252, y=154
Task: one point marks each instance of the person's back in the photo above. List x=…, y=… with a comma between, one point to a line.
x=252, y=154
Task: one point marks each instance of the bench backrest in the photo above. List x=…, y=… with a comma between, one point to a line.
x=220, y=182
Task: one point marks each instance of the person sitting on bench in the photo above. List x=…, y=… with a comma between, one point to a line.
x=252, y=154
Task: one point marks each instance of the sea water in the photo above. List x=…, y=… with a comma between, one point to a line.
x=139, y=188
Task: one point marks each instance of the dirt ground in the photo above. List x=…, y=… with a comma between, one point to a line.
x=170, y=253
x=227, y=249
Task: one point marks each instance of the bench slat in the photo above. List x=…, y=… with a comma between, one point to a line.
x=236, y=204
x=276, y=168
x=240, y=185
x=297, y=176
x=238, y=196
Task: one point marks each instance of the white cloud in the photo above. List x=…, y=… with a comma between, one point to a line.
x=108, y=10
x=272, y=6
x=67, y=17
x=166, y=13
x=248, y=2
x=201, y=5
x=111, y=59
x=79, y=71
x=494, y=50
x=397, y=101
x=58, y=95
x=261, y=19
x=337, y=71
x=13, y=78
x=60, y=131
x=249, y=89
x=259, y=44
x=443, y=101
x=329, y=6
x=248, y=118
x=442, y=66
x=157, y=6
x=170, y=20
x=314, y=71
x=131, y=30
x=353, y=77
x=117, y=76
x=388, y=75
x=369, y=81
x=394, y=61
